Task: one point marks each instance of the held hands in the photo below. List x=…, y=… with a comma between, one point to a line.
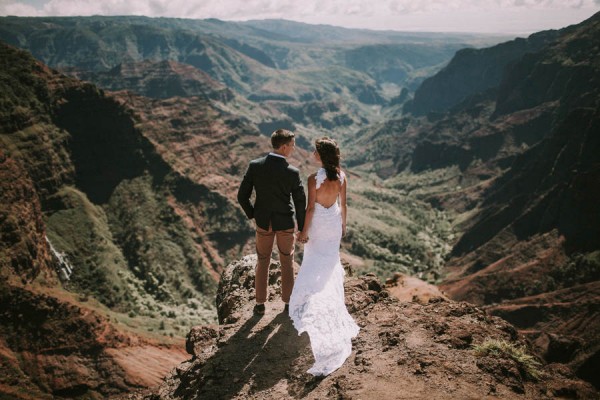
x=301, y=237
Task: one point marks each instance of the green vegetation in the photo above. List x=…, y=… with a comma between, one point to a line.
x=81, y=231
x=395, y=232
x=132, y=254
x=580, y=269
x=21, y=92
x=427, y=182
x=156, y=243
x=160, y=250
x=104, y=271
x=527, y=364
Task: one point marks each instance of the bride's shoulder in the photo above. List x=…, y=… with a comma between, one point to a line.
x=318, y=174
x=319, y=177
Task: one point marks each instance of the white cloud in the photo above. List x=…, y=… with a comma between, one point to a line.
x=19, y=9
x=436, y=15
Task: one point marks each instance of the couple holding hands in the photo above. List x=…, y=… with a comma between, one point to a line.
x=315, y=300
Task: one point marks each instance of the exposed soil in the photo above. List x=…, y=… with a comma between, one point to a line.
x=51, y=346
x=405, y=350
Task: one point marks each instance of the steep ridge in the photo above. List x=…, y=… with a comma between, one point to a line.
x=108, y=161
x=83, y=184
x=462, y=125
x=472, y=71
x=25, y=253
x=209, y=149
x=51, y=344
x=160, y=80
x=405, y=350
x=544, y=209
x=519, y=164
x=522, y=162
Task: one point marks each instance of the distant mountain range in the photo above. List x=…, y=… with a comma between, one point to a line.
x=285, y=66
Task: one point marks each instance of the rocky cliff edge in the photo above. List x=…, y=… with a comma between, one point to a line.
x=429, y=347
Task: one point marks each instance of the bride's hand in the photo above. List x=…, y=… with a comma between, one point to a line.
x=302, y=237
x=343, y=230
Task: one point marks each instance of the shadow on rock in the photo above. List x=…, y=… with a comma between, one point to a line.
x=251, y=360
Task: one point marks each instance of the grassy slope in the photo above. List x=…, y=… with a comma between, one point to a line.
x=116, y=258
x=395, y=231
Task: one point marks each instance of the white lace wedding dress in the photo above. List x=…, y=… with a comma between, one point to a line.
x=317, y=302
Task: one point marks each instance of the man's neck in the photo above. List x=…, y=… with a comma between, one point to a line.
x=278, y=154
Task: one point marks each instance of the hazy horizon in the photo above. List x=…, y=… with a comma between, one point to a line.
x=459, y=16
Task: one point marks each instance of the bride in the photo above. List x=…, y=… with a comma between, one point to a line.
x=317, y=302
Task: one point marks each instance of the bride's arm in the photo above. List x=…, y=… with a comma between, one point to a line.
x=343, y=204
x=310, y=208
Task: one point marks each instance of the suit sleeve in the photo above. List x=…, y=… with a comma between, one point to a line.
x=244, y=193
x=299, y=198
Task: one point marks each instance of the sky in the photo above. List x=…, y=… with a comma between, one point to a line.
x=484, y=16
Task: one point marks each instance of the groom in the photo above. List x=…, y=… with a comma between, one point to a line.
x=276, y=184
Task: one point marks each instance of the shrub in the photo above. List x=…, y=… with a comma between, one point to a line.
x=526, y=363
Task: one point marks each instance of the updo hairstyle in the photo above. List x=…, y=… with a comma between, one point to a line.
x=330, y=157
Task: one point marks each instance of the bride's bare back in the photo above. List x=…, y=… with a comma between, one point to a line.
x=327, y=193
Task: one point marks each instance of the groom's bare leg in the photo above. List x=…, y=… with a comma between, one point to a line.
x=285, y=245
x=264, y=248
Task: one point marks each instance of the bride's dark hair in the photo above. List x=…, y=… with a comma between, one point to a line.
x=330, y=156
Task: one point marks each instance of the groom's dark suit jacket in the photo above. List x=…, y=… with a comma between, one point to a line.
x=274, y=182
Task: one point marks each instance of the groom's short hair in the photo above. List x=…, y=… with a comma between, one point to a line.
x=281, y=137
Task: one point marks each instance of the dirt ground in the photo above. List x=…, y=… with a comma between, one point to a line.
x=405, y=350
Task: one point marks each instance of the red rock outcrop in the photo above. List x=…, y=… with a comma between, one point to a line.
x=53, y=346
x=24, y=252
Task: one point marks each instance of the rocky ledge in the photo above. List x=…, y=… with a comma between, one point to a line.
x=418, y=349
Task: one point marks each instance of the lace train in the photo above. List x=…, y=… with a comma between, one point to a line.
x=317, y=303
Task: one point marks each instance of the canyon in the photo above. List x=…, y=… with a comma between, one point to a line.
x=123, y=144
